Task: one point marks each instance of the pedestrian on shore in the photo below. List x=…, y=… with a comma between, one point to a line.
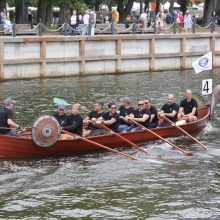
x=187, y=22
x=73, y=23
x=30, y=18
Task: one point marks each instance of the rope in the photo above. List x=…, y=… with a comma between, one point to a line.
x=46, y=28
x=77, y=29
x=102, y=31
x=169, y=27
x=203, y=27
x=29, y=30
x=9, y=28
x=127, y=29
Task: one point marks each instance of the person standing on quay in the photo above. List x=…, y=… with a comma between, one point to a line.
x=73, y=23
x=30, y=18
x=115, y=16
x=92, y=22
x=187, y=22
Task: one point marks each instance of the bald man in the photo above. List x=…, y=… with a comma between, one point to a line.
x=188, y=108
x=170, y=110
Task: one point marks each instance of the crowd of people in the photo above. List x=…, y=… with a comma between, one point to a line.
x=164, y=19
x=118, y=120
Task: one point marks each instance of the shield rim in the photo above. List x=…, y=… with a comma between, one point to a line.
x=46, y=145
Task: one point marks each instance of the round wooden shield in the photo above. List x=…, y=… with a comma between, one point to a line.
x=45, y=131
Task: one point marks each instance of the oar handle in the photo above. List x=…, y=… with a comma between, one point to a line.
x=185, y=132
x=100, y=145
x=157, y=135
x=121, y=137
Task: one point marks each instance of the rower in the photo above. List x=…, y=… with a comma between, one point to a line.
x=110, y=118
x=153, y=113
x=124, y=110
x=170, y=110
x=140, y=115
x=73, y=122
x=6, y=118
x=188, y=108
x=92, y=129
x=60, y=115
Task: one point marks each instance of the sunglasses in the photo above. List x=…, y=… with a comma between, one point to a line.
x=140, y=104
x=146, y=102
x=61, y=109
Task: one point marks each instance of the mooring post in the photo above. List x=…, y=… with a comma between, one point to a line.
x=14, y=29
x=174, y=26
x=65, y=27
x=193, y=25
x=40, y=28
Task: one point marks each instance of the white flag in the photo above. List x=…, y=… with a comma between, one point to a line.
x=203, y=63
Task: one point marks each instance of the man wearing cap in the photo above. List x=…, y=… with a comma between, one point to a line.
x=6, y=118
x=125, y=110
x=60, y=115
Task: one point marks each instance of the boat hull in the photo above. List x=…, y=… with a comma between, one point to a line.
x=25, y=147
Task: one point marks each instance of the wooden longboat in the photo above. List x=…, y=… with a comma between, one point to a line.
x=25, y=147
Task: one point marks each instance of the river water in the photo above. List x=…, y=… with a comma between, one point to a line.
x=104, y=185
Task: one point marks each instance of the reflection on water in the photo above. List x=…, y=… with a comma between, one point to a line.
x=165, y=185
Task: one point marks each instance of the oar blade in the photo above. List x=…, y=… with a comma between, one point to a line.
x=58, y=101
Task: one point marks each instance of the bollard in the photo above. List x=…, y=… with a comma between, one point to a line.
x=174, y=26
x=134, y=27
x=14, y=29
x=193, y=25
x=89, y=29
x=112, y=28
x=155, y=23
x=40, y=28
x=212, y=25
x=65, y=28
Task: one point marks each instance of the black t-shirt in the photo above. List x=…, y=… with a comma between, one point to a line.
x=188, y=106
x=169, y=109
x=60, y=118
x=5, y=114
x=94, y=114
x=139, y=114
x=124, y=112
x=74, y=124
x=106, y=116
x=153, y=111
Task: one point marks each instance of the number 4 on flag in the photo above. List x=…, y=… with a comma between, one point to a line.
x=206, y=86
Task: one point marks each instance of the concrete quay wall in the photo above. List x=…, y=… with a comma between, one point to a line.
x=54, y=56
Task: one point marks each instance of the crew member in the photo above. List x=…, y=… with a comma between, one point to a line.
x=153, y=113
x=140, y=115
x=188, y=108
x=170, y=110
x=60, y=115
x=110, y=118
x=92, y=129
x=6, y=118
x=73, y=122
x=125, y=110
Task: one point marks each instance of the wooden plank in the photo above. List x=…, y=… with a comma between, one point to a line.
x=43, y=58
x=82, y=66
x=1, y=61
x=118, y=56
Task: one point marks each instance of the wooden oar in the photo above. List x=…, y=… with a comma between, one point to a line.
x=121, y=137
x=186, y=133
x=187, y=153
x=100, y=145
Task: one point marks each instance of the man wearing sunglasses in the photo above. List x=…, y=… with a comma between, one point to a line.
x=60, y=115
x=140, y=115
x=111, y=118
